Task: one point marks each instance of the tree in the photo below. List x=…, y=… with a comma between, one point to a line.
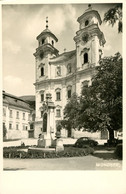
x=4, y=130
x=100, y=105
x=71, y=114
x=114, y=15
x=104, y=97
x=71, y=111
x=108, y=86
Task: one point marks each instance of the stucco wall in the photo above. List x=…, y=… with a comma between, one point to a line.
x=78, y=134
x=15, y=134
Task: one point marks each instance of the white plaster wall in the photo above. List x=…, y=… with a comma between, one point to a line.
x=14, y=133
x=92, y=20
x=63, y=66
x=78, y=134
x=37, y=131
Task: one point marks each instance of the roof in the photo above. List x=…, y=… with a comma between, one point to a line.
x=63, y=57
x=89, y=11
x=15, y=101
x=47, y=32
x=28, y=98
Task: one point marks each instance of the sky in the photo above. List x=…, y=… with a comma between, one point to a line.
x=22, y=23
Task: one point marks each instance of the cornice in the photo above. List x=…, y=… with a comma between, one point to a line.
x=89, y=13
x=44, y=48
x=72, y=76
x=92, y=30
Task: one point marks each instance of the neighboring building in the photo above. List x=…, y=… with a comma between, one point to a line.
x=62, y=75
x=31, y=101
x=16, y=116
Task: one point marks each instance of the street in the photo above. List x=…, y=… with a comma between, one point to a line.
x=74, y=163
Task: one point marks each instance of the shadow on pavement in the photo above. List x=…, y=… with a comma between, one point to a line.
x=106, y=156
x=13, y=169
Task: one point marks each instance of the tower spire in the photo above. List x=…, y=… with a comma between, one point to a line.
x=46, y=22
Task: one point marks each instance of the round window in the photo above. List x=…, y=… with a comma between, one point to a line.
x=86, y=22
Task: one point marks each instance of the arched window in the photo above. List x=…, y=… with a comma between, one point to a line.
x=42, y=71
x=69, y=68
x=43, y=41
x=58, y=113
x=69, y=91
x=42, y=97
x=58, y=71
x=86, y=22
x=58, y=94
x=52, y=43
x=85, y=58
x=85, y=83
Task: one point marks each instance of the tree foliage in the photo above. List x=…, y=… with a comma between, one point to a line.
x=71, y=112
x=100, y=105
x=4, y=130
x=114, y=15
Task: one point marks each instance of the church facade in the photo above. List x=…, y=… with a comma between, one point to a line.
x=66, y=73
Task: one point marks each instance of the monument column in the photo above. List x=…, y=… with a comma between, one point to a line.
x=48, y=134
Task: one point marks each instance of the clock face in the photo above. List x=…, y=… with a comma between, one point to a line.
x=85, y=37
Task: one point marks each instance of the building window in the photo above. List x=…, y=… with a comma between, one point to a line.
x=33, y=117
x=23, y=116
x=85, y=58
x=42, y=97
x=69, y=68
x=86, y=22
x=42, y=71
x=4, y=111
x=52, y=43
x=17, y=116
x=17, y=127
x=58, y=96
x=31, y=126
x=85, y=83
x=58, y=113
x=58, y=71
x=43, y=41
x=11, y=113
x=10, y=125
x=24, y=128
x=69, y=93
x=100, y=54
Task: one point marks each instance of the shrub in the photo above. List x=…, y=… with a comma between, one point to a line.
x=14, y=152
x=119, y=151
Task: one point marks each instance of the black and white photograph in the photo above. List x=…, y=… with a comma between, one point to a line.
x=62, y=88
